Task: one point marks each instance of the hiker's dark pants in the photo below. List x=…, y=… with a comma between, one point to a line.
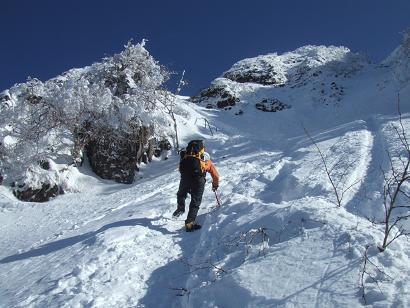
x=194, y=186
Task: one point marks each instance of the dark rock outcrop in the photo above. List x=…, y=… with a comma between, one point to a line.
x=162, y=146
x=115, y=156
x=263, y=77
x=34, y=99
x=43, y=194
x=220, y=95
x=45, y=164
x=4, y=98
x=271, y=105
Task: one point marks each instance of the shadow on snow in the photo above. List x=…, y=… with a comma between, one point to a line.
x=85, y=238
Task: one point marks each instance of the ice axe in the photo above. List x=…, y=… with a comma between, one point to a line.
x=218, y=202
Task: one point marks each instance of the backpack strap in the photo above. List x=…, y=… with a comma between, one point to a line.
x=202, y=162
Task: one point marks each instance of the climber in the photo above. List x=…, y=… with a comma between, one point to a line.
x=193, y=166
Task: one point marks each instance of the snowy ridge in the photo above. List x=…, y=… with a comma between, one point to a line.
x=290, y=67
x=317, y=76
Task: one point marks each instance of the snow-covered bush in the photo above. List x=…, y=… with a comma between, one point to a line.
x=119, y=97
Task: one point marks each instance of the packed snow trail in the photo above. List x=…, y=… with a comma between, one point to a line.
x=103, y=239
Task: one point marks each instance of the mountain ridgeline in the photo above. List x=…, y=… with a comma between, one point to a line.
x=317, y=74
x=116, y=113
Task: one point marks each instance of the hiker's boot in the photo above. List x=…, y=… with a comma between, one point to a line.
x=178, y=212
x=192, y=226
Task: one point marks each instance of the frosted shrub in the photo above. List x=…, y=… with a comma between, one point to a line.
x=59, y=117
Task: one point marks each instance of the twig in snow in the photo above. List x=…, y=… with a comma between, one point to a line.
x=366, y=273
x=395, y=180
x=247, y=240
x=338, y=182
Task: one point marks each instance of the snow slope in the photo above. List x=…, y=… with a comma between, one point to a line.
x=278, y=240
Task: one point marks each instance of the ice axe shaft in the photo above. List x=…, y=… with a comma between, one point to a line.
x=218, y=202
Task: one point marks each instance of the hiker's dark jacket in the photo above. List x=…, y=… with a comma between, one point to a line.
x=192, y=168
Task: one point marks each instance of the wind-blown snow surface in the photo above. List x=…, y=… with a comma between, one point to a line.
x=278, y=240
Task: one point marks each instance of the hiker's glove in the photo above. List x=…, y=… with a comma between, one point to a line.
x=214, y=187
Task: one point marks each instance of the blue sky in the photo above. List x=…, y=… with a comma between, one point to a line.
x=43, y=38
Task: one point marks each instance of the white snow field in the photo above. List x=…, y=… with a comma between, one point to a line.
x=278, y=240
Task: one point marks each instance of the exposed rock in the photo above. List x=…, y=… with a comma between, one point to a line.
x=45, y=164
x=220, y=96
x=4, y=98
x=228, y=102
x=43, y=194
x=162, y=146
x=271, y=105
x=115, y=156
x=261, y=76
x=34, y=99
x=261, y=70
x=215, y=91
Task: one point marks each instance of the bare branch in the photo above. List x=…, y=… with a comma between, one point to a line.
x=393, y=188
x=373, y=272
x=338, y=181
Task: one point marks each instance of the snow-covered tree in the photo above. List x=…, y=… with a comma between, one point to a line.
x=120, y=97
